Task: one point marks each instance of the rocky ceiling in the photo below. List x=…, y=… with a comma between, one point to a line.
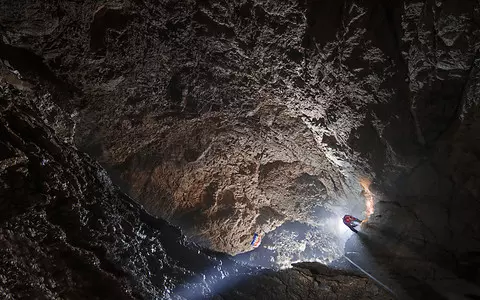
x=233, y=117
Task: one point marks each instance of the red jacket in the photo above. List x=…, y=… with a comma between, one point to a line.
x=347, y=220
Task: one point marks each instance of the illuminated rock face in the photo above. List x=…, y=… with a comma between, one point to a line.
x=67, y=232
x=234, y=117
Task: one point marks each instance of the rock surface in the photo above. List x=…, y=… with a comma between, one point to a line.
x=67, y=232
x=230, y=117
x=305, y=281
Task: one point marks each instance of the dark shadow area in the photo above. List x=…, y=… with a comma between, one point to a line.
x=34, y=69
x=400, y=258
x=428, y=250
x=105, y=19
x=464, y=265
x=415, y=288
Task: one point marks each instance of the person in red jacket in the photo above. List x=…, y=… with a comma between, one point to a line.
x=351, y=222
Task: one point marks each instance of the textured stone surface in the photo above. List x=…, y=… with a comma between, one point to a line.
x=196, y=107
x=67, y=232
x=229, y=117
x=305, y=281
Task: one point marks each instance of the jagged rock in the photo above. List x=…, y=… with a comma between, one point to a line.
x=67, y=232
x=305, y=281
x=234, y=117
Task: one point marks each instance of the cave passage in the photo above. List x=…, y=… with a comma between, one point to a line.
x=143, y=144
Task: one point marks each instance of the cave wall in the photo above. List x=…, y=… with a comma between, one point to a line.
x=424, y=229
x=211, y=113
x=66, y=231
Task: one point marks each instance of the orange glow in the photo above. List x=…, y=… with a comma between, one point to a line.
x=365, y=183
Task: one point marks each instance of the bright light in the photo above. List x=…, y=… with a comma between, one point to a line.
x=365, y=183
x=340, y=226
x=342, y=230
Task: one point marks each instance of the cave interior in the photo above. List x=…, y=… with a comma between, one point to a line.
x=144, y=143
